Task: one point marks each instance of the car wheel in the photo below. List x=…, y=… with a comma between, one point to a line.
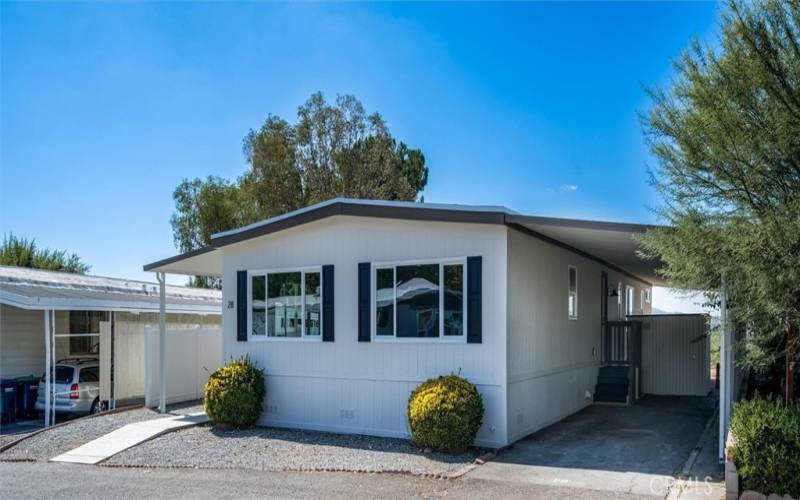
x=96, y=407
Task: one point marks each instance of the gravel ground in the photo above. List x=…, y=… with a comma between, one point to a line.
x=267, y=448
x=58, y=440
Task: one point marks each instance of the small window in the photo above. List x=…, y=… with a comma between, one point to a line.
x=286, y=304
x=420, y=300
x=85, y=328
x=647, y=296
x=572, y=293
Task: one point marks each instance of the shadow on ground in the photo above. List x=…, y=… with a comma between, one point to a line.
x=654, y=436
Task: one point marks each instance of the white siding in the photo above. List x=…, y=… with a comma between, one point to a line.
x=21, y=342
x=675, y=355
x=310, y=383
x=552, y=360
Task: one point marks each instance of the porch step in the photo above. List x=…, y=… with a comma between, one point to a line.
x=612, y=385
x=600, y=397
x=614, y=371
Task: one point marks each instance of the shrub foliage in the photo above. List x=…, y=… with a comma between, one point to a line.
x=234, y=393
x=766, y=447
x=445, y=413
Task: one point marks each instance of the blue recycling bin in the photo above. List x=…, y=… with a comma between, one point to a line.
x=8, y=401
x=27, y=392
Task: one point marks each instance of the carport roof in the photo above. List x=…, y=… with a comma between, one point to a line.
x=37, y=289
x=611, y=243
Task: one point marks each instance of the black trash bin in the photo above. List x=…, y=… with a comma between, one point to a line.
x=27, y=392
x=8, y=401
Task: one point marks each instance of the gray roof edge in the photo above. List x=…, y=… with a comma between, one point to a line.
x=365, y=208
x=627, y=227
x=181, y=256
x=364, y=203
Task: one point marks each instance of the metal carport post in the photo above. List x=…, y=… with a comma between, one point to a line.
x=162, y=341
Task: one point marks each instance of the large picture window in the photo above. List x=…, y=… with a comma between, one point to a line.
x=420, y=300
x=286, y=304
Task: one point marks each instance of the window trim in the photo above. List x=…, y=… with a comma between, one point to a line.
x=442, y=338
x=265, y=273
x=570, y=293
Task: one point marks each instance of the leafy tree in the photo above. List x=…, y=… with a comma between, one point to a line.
x=332, y=150
x=22, y=252
x=726, y=135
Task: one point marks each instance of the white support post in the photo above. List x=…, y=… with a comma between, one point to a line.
x=725, y=376
x=47, y=381
x=162, y=341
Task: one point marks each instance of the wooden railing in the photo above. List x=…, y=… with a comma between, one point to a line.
x=622, y=342
x=622, y=346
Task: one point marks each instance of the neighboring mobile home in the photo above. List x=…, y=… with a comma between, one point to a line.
x=350, y=304
x=84, y=316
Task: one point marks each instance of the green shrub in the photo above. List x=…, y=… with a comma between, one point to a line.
x=234, y=393
x=766, y=448
x=445, y=413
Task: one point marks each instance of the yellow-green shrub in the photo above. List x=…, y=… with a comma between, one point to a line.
x=445, y=413
x=234, y=393
x=766, y=447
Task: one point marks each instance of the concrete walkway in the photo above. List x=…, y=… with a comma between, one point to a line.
x=126, y=437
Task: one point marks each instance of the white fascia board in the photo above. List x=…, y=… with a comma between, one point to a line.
x=37, y=303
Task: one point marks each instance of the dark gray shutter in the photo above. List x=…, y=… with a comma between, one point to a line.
x=474, y=302
x=327, y=303
x=241, y=306
x=363, y=302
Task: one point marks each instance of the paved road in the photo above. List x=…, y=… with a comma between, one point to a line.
x=51, y=480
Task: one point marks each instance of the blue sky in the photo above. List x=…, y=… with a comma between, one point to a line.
x=106, y=107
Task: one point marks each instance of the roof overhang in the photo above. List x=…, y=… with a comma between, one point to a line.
x=206, y=261
x=609, y=243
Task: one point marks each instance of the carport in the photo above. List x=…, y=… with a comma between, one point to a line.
x=47, y=316
x=636, y=449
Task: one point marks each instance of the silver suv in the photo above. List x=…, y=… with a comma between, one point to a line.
x=77, y=387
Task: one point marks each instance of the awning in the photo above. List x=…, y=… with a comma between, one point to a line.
x=36, y=289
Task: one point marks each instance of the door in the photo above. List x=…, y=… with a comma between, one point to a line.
x=603, y=306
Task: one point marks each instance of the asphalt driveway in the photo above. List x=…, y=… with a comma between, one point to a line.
x=636, y=449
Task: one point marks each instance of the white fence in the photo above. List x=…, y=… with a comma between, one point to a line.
x=192, y=355
x=675, y=355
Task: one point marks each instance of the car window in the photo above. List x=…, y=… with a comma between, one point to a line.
x=63, y=374
x=89, y=374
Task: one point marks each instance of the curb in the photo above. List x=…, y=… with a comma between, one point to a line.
x=427, y=475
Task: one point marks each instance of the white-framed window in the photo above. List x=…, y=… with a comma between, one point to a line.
x=285, y=304
x=420, y=301
x=572, y=292
x=641, y=301
x=646, y=296
x=630, y=298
